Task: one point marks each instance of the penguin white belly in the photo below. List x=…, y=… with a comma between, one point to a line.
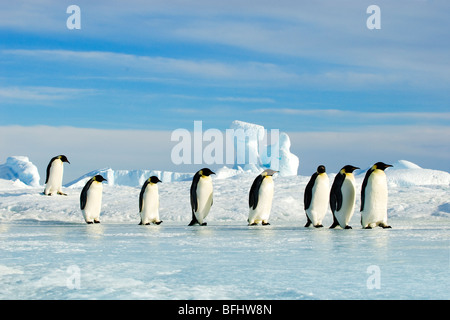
x=344, y=215
x=150, y=206
x=319, y=200
x=54, y=183
x=93, y=206
x=265, y=196
x=204, y=198
x=375, y=203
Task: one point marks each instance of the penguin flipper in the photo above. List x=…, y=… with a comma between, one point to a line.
x=336, y=192
x=48, y=168
x=363, y=188
x=308, y=191
x=83, y=196
x=141, y=194
x=194, y=203
x=254, y=192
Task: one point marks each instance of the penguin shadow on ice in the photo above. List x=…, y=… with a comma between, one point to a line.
x=201, y=193
x=260, y=198
x=149, y=202
x=54, y=176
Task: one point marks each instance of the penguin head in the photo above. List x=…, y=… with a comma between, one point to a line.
x=268, y=172
x=348, y=169
x=381, y=166
x=63, y=158
x=154, y=179
x=321, y=169
x=205, y=172
x=99, y=178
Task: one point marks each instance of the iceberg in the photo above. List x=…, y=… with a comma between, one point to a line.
x=20, y=168
x=276, y=156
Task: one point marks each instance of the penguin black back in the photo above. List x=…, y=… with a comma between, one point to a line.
x=254, y=191
x=336, y=193
x=194, y=203
x=83, y=196
x=62, y=157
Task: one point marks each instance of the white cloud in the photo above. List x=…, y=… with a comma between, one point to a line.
x=358, y=115
x=138, y=65
x=40, y=94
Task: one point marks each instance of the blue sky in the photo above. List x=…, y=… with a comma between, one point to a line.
x=298, y=66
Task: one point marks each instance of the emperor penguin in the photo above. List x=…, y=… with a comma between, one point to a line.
x=201, y=196
x=374, y=195
x=260, y=198
x=91, y=199
x=149, y=202
x=316, y=197
x=342, y=197
x=53, y=180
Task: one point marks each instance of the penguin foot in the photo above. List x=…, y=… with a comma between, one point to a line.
x=385, y=226
x=347, y=227
x=62, y=193
x=89, y=222
x=318, y=226
x=368, y=227
x=253, y=224
x=96, y=221
x=204, y=224
x=158, y=222
x=265, y=223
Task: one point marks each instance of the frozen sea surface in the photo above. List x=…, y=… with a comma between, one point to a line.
x=48, y=252
x=55, y=260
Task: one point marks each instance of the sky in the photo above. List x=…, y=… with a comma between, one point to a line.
x=137, y=70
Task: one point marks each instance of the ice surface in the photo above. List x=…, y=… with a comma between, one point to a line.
x=44, y=241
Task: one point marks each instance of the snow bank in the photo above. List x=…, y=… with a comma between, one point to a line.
x=20, y=168
x=405, y=173
x=130, y=178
